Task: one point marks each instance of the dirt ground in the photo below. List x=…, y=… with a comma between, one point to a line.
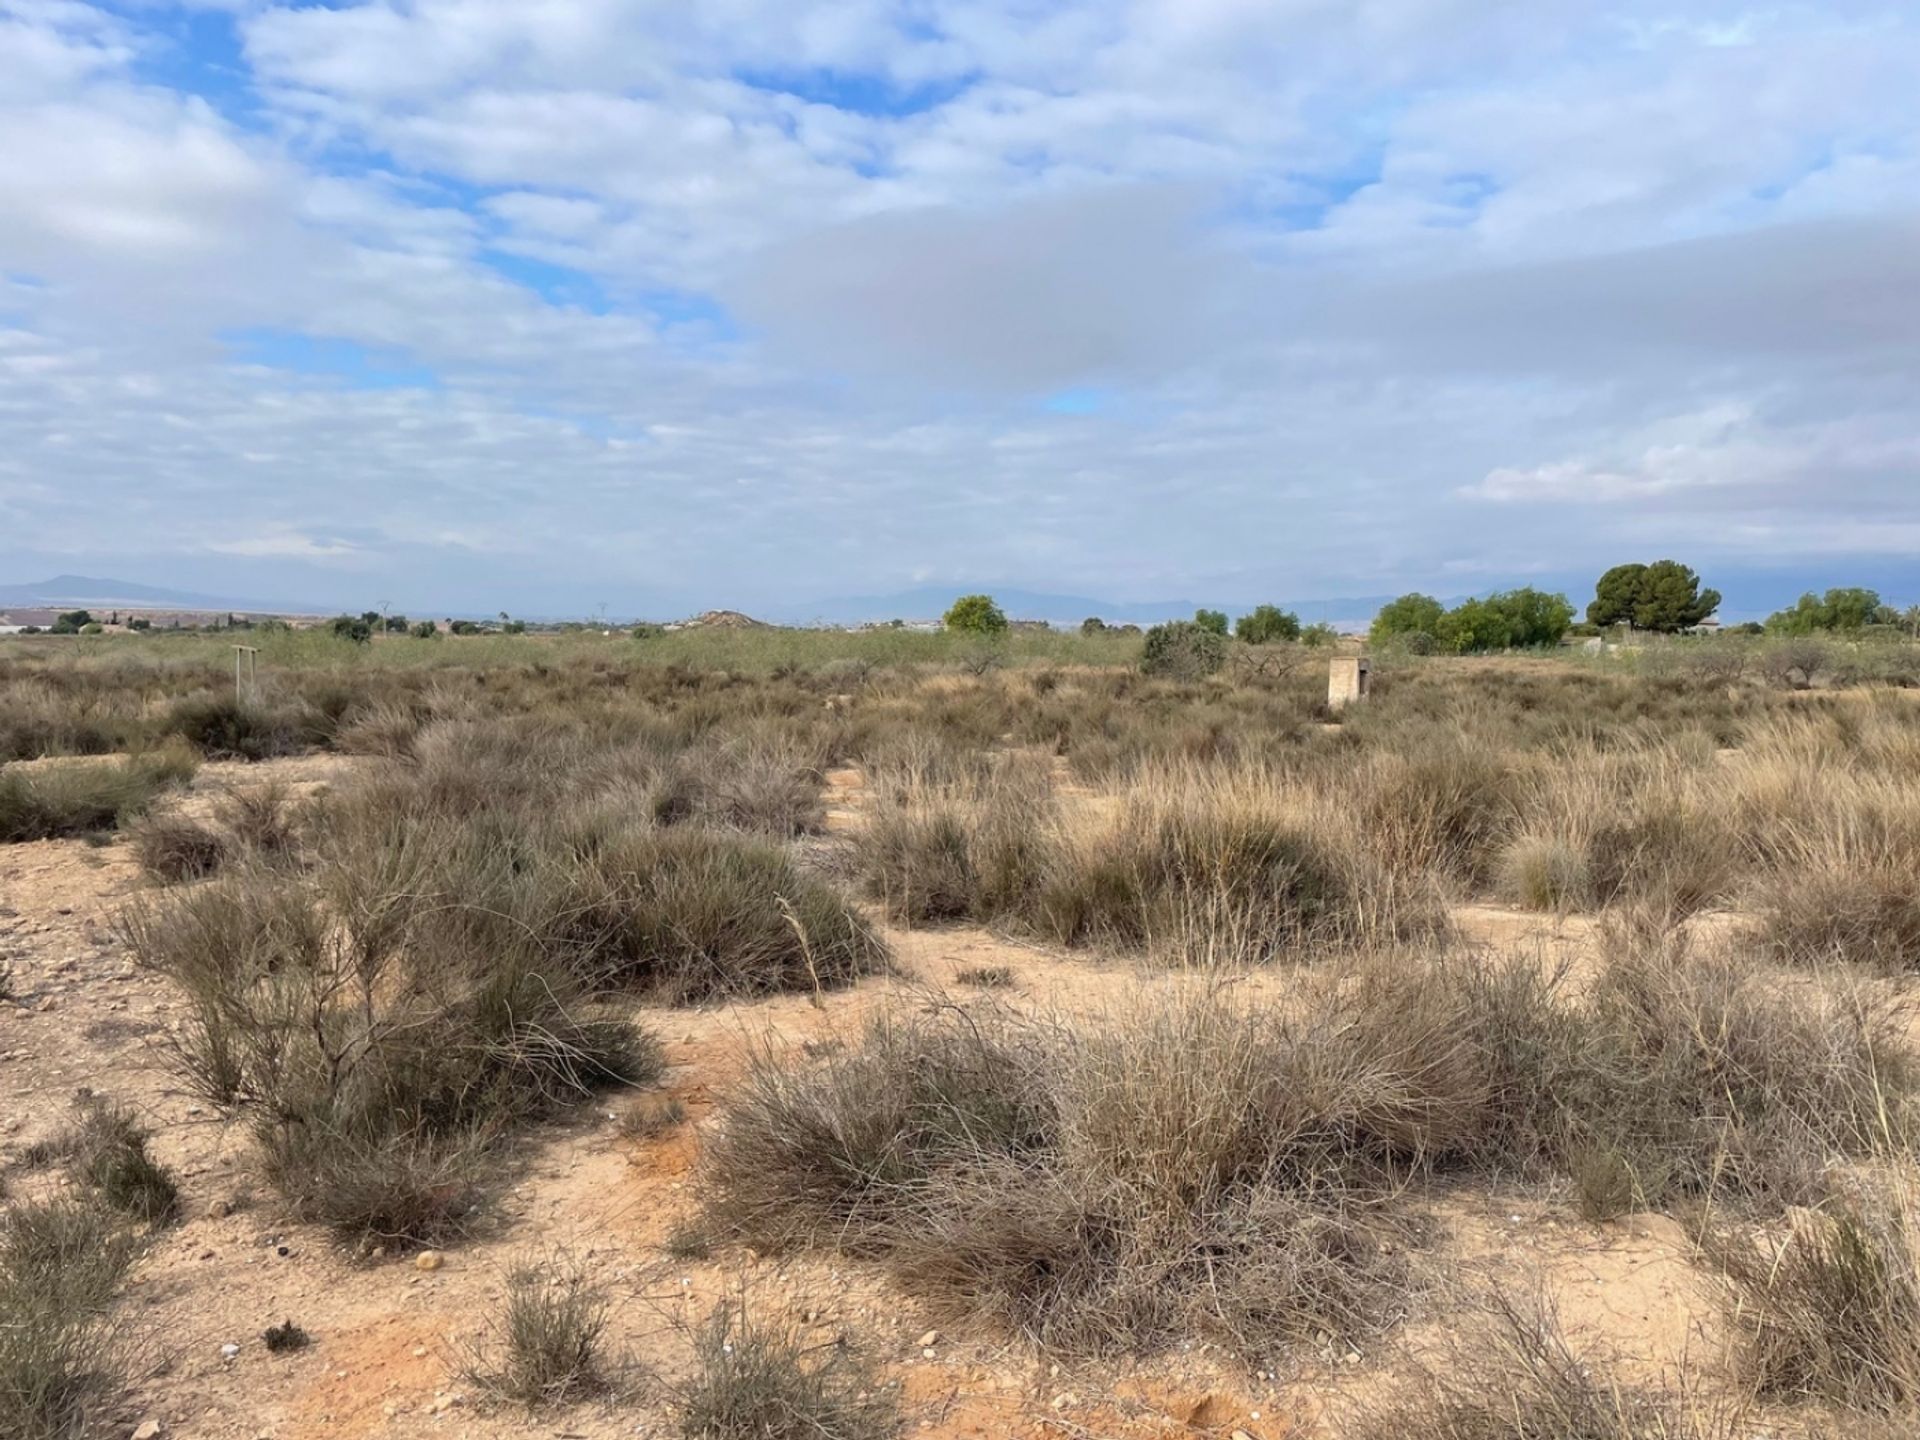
x=390, y=1337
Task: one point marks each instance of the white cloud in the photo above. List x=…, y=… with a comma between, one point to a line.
x=1480, y=286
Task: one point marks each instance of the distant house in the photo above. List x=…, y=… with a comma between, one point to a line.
x=1709, y=626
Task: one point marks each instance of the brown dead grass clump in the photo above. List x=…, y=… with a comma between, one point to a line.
x=1518, y=1378
x=76, y=797
x=1830, y=1312
x=757, y=1377
x=64, y=1357
x=1193, y=1163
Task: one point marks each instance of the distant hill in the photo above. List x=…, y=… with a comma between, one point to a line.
x=70, y=591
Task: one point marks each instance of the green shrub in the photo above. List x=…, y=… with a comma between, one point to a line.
x=1183, y=650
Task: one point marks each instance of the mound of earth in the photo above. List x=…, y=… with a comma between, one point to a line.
x=724, y=620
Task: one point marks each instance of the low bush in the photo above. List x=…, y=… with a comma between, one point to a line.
x=687, y=914
x=379, y=1043
x=756, y=1378
x=1184, y=650
x=547, y=1347
x=1518, y=1378
x=106, y=1151
x=75, y=797
x=63, y=1359
x=176, y=848
x=1831, y=1312
x=1194, y=1163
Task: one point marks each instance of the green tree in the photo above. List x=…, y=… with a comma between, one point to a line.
x=1474, y=626
x=1319, y=635
x=1412, y=614
x=397, y=625
x=424, y=630
x=1671, y=599
x=1214, y=620
x=70, y=622
x=1184, y=650
x=1534, y=617
x=1267, y=623
x=1844, y=608
x=1093, y=625
x=976, y=615
x=1664, y=596
x=1615, y=597
x=356, y=628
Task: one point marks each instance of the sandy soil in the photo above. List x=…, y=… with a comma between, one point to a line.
x=390, y=1337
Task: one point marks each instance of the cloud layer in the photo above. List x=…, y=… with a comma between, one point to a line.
x=481, y=302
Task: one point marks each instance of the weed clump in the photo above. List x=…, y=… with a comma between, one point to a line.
x=547, y=1346
x=63, y=1359
x=767, y=1379
x=1831, y=1312
x=69, y=798
x=1520, y=1379
x=106, y=1152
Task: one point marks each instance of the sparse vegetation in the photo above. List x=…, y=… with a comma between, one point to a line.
x=63, y=1357
x=75, y=797
x=762, y=1378
x=1831, y=1312
x=548, y=1346
x=526, y=836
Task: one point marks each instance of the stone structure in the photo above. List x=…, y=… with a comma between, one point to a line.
x=1347, y=680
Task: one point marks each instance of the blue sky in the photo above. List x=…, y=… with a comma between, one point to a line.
x=476, y=303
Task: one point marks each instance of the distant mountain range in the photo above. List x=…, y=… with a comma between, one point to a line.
x=1751, y=593
x=931, y=602
x=72, y=591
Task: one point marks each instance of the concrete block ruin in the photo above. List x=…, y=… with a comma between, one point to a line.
x=1347, y=680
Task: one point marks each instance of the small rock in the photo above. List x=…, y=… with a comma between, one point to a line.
x=1241, y=1435
x=229, y=1350
x=429, y=1260
x=1064, y=1399
x=219, y=1209
x=932, y=1337
x=147, y=1430
x=927, y=1352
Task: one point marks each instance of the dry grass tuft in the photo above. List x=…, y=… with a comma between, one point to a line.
x=1831, y=1312
x=547, y=1348
x=63, y=1358
x=1518, y=1378
x=756, y=1378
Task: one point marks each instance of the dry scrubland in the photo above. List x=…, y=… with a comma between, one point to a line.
x=775, y=1035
